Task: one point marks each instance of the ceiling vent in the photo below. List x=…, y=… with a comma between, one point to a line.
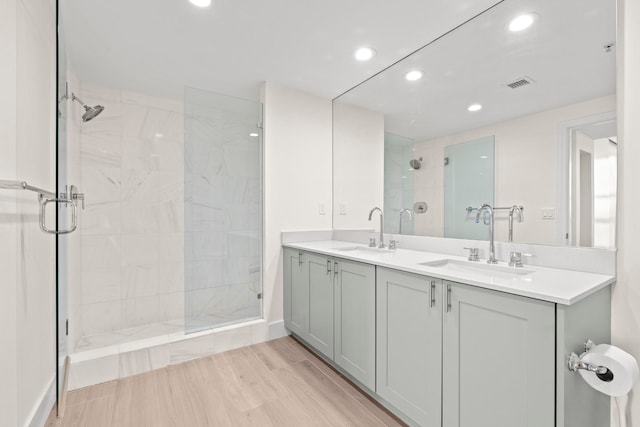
x=522, y=81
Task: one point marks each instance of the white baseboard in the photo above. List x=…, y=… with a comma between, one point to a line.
x=42, y=411
x=277, y=330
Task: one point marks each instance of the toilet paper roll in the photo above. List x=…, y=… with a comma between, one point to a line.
x=623, y=366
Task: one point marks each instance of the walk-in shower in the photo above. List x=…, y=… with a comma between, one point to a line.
x=166, y=262
x=170, y=240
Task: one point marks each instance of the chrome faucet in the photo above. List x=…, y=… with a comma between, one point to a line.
x=512, y=211
x=492, y=249
x=381, y=245
x=410, y=217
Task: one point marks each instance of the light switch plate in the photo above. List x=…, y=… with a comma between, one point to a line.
x=548, y=213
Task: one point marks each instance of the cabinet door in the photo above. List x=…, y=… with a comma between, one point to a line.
x=355, y=320
x=409, y=345
x=498, y=359
x=296, y=292
x=320, y=320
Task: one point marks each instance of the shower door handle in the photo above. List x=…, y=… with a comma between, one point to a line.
x=44, y=201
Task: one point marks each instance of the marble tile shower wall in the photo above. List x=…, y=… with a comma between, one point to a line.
x=223, y=215
x=132, y=229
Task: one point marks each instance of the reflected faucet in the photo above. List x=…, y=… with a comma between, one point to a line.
x=492, y=249
x=520, y=218
x=410, y=217
x=381, y=245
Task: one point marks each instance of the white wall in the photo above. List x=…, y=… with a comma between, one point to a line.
x=8, y=213
x=358, y=166
x=626, y=294
x=27, y=147
x=297, y=177
x=526, y=170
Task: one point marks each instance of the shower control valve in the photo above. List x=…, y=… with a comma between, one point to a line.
x=75, y=195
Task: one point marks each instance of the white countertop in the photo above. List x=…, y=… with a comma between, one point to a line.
x=549, y=284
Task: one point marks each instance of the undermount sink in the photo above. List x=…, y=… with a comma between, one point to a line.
x=480, y=267
x=364, y=249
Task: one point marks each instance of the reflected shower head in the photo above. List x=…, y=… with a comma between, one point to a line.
x=89, y=112
x=415, y=163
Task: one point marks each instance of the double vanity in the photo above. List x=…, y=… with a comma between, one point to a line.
x=443, y=341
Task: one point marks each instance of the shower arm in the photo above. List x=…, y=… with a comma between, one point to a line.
x=80, y=101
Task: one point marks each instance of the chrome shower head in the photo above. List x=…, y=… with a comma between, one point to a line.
x=415, y=163
x=89, y=112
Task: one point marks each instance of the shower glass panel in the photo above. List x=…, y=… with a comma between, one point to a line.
x=398, y=182
x=468, y=182
x=62, y=242
x=223, y=209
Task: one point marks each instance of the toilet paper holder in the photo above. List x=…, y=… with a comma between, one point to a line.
x=575, y=362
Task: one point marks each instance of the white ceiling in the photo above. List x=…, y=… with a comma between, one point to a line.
x=161, y=46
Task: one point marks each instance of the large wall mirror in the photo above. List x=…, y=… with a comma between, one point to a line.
x=523, y=120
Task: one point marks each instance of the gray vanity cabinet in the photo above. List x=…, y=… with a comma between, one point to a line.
x=320, y=303
x=498, y=359
x=355, y=319
x=409, y=347
x=445, y=354
x=296, y=292
x=330, y=304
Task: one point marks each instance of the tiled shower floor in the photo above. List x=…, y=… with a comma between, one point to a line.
x=107, y=339
x=149, y=334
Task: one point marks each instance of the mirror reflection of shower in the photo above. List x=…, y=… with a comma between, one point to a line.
x=415, y=163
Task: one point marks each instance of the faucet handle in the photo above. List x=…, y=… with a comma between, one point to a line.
x=372, y=242
x=515, y=259
x=473, y=254
x=393, y=245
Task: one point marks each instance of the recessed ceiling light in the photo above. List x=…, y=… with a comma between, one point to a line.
x=474, y=107
x=413, y=75
x=253, y=134
x=364, y=54
x=521, y=22
x=201, y=3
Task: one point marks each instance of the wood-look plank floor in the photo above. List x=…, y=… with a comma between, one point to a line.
x=277, y=383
